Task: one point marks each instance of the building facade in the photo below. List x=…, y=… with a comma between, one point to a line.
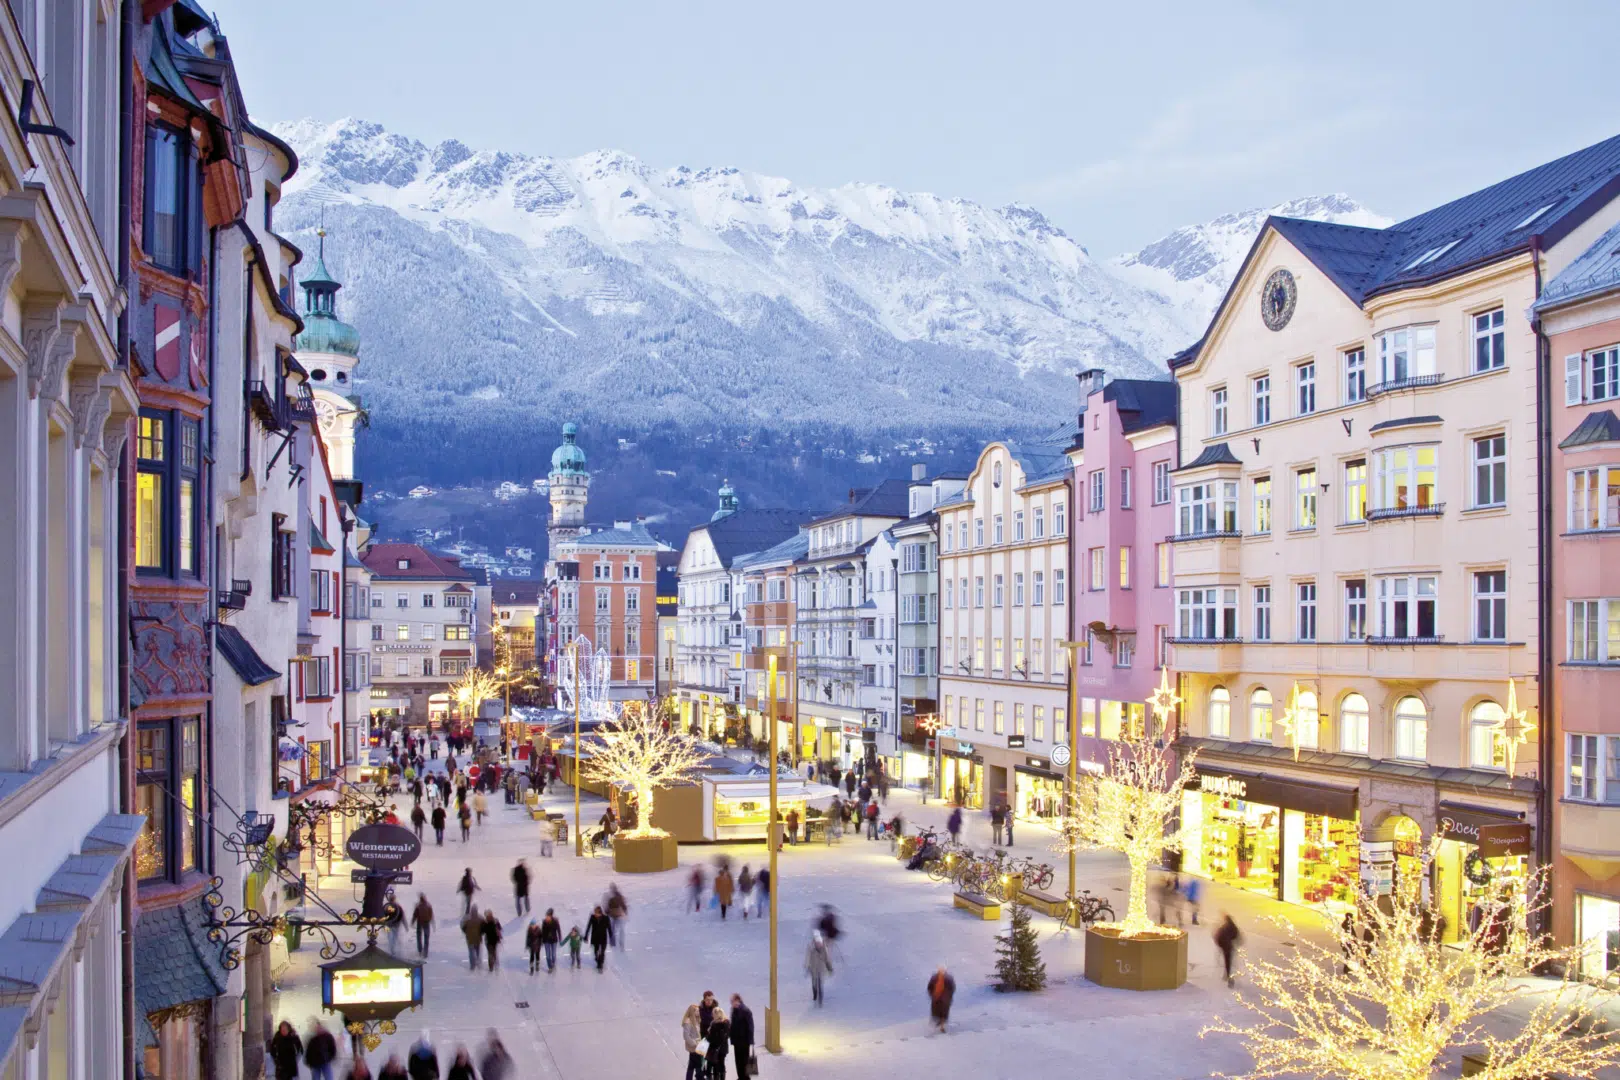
x=613, y=597
x=422, y=632
x=1579, y=313
x=1004, y=608
x=917, y=538
x=769, y=623
x=1123, y=519
x=1356, y=566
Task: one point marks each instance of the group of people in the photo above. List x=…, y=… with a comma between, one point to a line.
x=319, y=1054
x=711, y=1034
x=484, y=933
x=745, y=890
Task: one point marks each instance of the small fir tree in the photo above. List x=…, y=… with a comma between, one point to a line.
x=1018, y=957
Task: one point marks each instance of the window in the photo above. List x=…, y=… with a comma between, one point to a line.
x=1206, y=614
x=403, y=600
x=1217, y=411
x=962, y=592
x=1124, y=567
x=1490, y=348
x=1405, y=354
x=1040, y=723
x=1600, y=379
x=427, y=600
x=978, y=654
x=999, y=718
x=1406, y=478
x=1487, y=746
x=1125, y=489
x=1095, y=485
x=1589, y=778
x=1099, y=568
x=1594, y=631
x=1262, y=400
x=376, y=632
x=997, y=591
x=1490, y=471
x=1162, y=554
x=1058, y=594
x=1018, y=719
x=1305, y=389
x=1260, y=716
x=1207, y=508
x=168, y=792
x=1305, y=499
x=978, y=714
x=1038, y=589
x=1594, y=499
x=1124, y=650
x=187, y=488
x=281, y=558
x=1411, y=730
x=151, y=458
x=1018, y=525
x=1220, y=713
x=1355, y=491
x=1490, y=605
x=402, y=667
x=1262, y=613
x=1406, y=607
x=1161, y=646
x=1261, y=519
x=1307, y=721
x=1353, y=724
x=402, y=632
x=1040, y=521
x=1018, y=655
x=1018, y=590
x=978, y=591
x=428, y=631
x=1161, y=483
x=1355, y=610
x=602, y=599
x=1355, y=376
x=320, y=592
x=964, y=531
x=1305, y=611
x=978, y=532
x=170, y=203
x=1060, y=519
x=996, y=529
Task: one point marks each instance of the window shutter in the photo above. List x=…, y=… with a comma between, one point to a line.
x=1572, y=379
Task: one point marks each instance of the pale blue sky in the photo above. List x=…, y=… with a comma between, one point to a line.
x=1120, y=121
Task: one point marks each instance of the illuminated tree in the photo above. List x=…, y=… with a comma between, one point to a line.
x=1133, y=808
x=1385, y=1001
x=637, y=753
x=474, y=688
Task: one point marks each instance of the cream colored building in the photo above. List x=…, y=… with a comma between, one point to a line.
x=1004, y=606
x=1356, y=536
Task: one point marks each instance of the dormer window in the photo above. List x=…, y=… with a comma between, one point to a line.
x=403, y=564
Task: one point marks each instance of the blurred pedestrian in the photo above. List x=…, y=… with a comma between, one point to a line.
x=438, y=825
x=694, y=888
x=573, y=940
x=472, y=930
x=1192, y=892
x=617, y=908
x=520, y=886
x=953, y=824
x=422, y=919
x=1007, y=822
x=818, y=964
x=762, y=889
x=286, y=1051
x=793, y=825
x=393, y=1069
x=745, y=889
x=724, y=889
x=596, y=931
x=480, y=805
x=1227, y=937
x=941, y=989
x=464, y=815
x=462, y=1069
x=495, y=1063
x=423, y=1062
x=467, y=887
x=849, y=783
x=531, y=941
x=358, y=1069
x=492, y=935
x=418, y=819
x=320, y=1053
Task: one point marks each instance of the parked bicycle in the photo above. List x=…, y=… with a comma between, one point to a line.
x=1093, y=909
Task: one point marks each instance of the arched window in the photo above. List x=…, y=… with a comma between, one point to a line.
x=1353, y=724
x=1220, y=713
x=1308, y=721
x=1260, y=716
x=1411, y=729
x=1487, y=748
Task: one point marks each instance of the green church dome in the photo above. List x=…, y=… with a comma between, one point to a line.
x=568, y=458
x=323, y=330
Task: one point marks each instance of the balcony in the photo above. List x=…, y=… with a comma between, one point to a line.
x=263, y=404
x=1411, y=382
x=1589, y=831
x=1434, y=510
x=1208, y=558
x=1213, y=534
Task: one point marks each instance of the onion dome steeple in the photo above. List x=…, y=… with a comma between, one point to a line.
x=323, y=330
x=728, y=501
x=568, y=458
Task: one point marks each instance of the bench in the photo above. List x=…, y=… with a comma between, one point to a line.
x=979, y=904
x=1045, y=902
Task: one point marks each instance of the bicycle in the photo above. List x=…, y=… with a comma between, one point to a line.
x=1091, y=909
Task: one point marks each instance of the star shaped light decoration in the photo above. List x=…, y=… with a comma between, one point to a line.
x=928, y=722
x=1163, y=701
x=1290, y=720
x=1514, y=727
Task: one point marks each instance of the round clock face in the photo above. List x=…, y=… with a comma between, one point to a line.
x=1277, y=299
x=326, y=414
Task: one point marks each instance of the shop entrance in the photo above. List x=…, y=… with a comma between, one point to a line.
x=962, y=781
x=1037, y=794
x=1597, y=929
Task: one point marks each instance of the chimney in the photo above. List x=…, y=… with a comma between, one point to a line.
x=919, y=472
x=621, y=524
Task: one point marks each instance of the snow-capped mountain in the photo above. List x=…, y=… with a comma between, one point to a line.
x=1192, y=267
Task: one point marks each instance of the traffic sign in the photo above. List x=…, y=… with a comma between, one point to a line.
x=1060, y=755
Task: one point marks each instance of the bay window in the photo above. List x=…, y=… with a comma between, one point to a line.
x=1406, y=607
x=1594, y=499
x=168, y=791
x=173, y=207
x=1594, y=631
x=1405, y=354
x=151, y=462
x=1207, y=614
x=1207, y=508
x=1592, y=771
x=1406, y=479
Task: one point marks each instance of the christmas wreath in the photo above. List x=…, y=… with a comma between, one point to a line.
x=1476, y=869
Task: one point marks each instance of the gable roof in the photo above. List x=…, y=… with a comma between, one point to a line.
x=633, y=535
x=891, y=498
x=1486, y=226
x=794, y=547
x=517, y=591
x=742, y=532
x=383, y=562
x=1595, y=270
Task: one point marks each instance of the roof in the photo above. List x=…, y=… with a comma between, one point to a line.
x=383, y=562
x=1042, y=462
x=794, y=547
x=1218, y=454
x=633, y=535
x=318, y=540
x=516, y=591
x=1595, y=270
x=1405, y=421
x=243, y=658
x=479, y=574
x=1494, y=223
x=1598, y=427
x=1142, y=403
x=174, y=961
x=891, y=498
x=748, y=530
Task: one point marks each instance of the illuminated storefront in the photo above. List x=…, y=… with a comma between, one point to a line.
x=961, y=774
x=1597, y=929
x=1481, y=853
x=1037, y=791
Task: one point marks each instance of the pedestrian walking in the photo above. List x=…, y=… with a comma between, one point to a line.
x=596, y=931
x=472, y=930
x=480, y=805
x=793, y=825
x=422, y=919
x=438, y=825
x=1227, y=937
x=358, y=1070
x=762, y=889
x=719, y=1043
x=531, y=941
x=418, y=819
x=724, y=889
x=742, y=1036
x=849, y=783
x=286, y=1051
x=423, y=1062
x=320, y=1053
x=871, y=821
x=745, y=889
x=1192, y=892
x=819, y=965
x=520, y=886
x=492, y=935
x=393, y=1069
x=574, y=940
x=396, y=922
x=692, y=1039
x=462, y=1068
x=550, y=936
x=465, y=816
x=941, y=989
x=953, y=824
x=494, y=1063
x=617, y=908
x=694, y=888
x=467, y=887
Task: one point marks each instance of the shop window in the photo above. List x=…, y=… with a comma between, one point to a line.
x=1260, y=706
x=1353, y=724
x=1220, y=713
x=1487, y=748
x=1411, y=730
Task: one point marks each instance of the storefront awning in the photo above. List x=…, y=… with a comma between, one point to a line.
x=1324, y=799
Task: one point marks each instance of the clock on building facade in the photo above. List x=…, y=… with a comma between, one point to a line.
x=1277, y=299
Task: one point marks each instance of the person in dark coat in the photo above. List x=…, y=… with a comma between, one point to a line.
x=531, y=941
x=438, y=825
x=550, y=937
x=286, y=1051
x=520, y=886
x=492, y=935
x=393, y=1069
x=849, y=783
x=463, y=1067
x=953, y=824
x=719, y=1043
x=598, y=931
x=418, y=819
x=466, y=888
x=1226, y=940
x=742, y=1034
x=941, y=989
x=495, y=1063
x=423, y=1062
x=422, y=919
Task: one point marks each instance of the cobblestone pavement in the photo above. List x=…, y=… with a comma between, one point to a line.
x=898, y=927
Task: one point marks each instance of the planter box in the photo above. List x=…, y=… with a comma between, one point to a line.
x=1145, y=963
x=644, y=854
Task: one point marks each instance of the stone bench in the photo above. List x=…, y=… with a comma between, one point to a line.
x=980, y=905
x=1045, y=902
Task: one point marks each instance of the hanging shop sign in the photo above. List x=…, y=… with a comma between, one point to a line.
x=1495, y=834
x=371, y=985
x=1322, y=799
x=383, y=846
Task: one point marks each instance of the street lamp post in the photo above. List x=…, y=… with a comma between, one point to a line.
x=579, y=840
x=1073, y=748
x=773, y=1018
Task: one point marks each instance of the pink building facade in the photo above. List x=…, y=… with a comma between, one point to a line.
x=1123, y=519
x=1580, y=315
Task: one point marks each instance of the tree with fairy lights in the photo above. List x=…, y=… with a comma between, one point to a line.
x=637, y=753
x=474, y=688
x=1383, y=1000
x=1133, y=808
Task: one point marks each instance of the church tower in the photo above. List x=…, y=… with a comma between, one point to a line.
x=570, y=486
x=329, y=348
